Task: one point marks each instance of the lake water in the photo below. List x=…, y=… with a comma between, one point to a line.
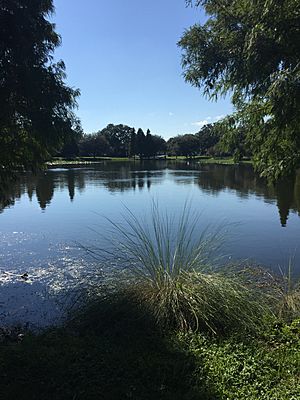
x=46, y=219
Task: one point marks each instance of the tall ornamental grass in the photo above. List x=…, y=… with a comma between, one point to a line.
x=288, y=307
x=173, y=271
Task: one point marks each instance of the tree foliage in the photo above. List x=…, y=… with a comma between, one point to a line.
x=118, y=138
x=204, y=142
x=251, y=50
x=36, y=105
x=184, y=145
x=208, y=138
x=122, y=141
x=93, y=145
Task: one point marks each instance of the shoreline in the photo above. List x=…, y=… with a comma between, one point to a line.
x=99, y=160
x=112, y=349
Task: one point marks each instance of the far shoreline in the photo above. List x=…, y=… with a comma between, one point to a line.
x=82, y=161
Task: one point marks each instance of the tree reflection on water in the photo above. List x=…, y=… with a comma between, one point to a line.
x=128, y=176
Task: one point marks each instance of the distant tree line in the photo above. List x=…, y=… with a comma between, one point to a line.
x=124, y=141
x=116, y=141
x=203, y=142
x=214, y=140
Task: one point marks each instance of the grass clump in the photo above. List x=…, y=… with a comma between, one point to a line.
x=202, y=301
x=173, y=272
x=288, y=307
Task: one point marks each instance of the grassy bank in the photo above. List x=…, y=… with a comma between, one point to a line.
x=56, y=162
x=211, y=160
x=223, y=161
x=115, y=350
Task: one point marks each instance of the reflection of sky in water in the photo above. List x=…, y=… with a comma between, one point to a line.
x=44, y=219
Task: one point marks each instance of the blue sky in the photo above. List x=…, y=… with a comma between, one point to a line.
x=123, y=56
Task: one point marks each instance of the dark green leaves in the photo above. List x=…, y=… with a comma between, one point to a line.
x=36, y=106
x=251, y=50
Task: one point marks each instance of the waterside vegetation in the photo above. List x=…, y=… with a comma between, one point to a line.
x=122, y=141
x=114, y=350
x=173, y=324
x=60, y=161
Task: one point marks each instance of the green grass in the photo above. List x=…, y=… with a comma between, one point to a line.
x=57, y=161
x=210, y=160
x=107, y=158
x=223, y=161
x=245, y=369
x=114, y=350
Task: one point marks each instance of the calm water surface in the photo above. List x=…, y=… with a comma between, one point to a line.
x=44, y=218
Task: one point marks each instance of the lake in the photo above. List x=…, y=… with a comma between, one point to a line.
x=47, y=219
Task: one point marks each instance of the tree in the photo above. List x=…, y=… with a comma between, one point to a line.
x=251, y=50
x=94, y=145
x=233, y=139
x=149, y=150
x=36, y=106
x=159, y=145
x=118, y=137
x=70, y=149
x=208, y=137
x=173, y=147
x=132, y=145
x=188, y=145
x=140, y=143
x=184, y=145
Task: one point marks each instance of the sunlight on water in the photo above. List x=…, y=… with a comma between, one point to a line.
x=45, y=220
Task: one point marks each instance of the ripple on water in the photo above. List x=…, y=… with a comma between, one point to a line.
x=38, y=291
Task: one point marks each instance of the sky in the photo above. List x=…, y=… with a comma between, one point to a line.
x=123, y=56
